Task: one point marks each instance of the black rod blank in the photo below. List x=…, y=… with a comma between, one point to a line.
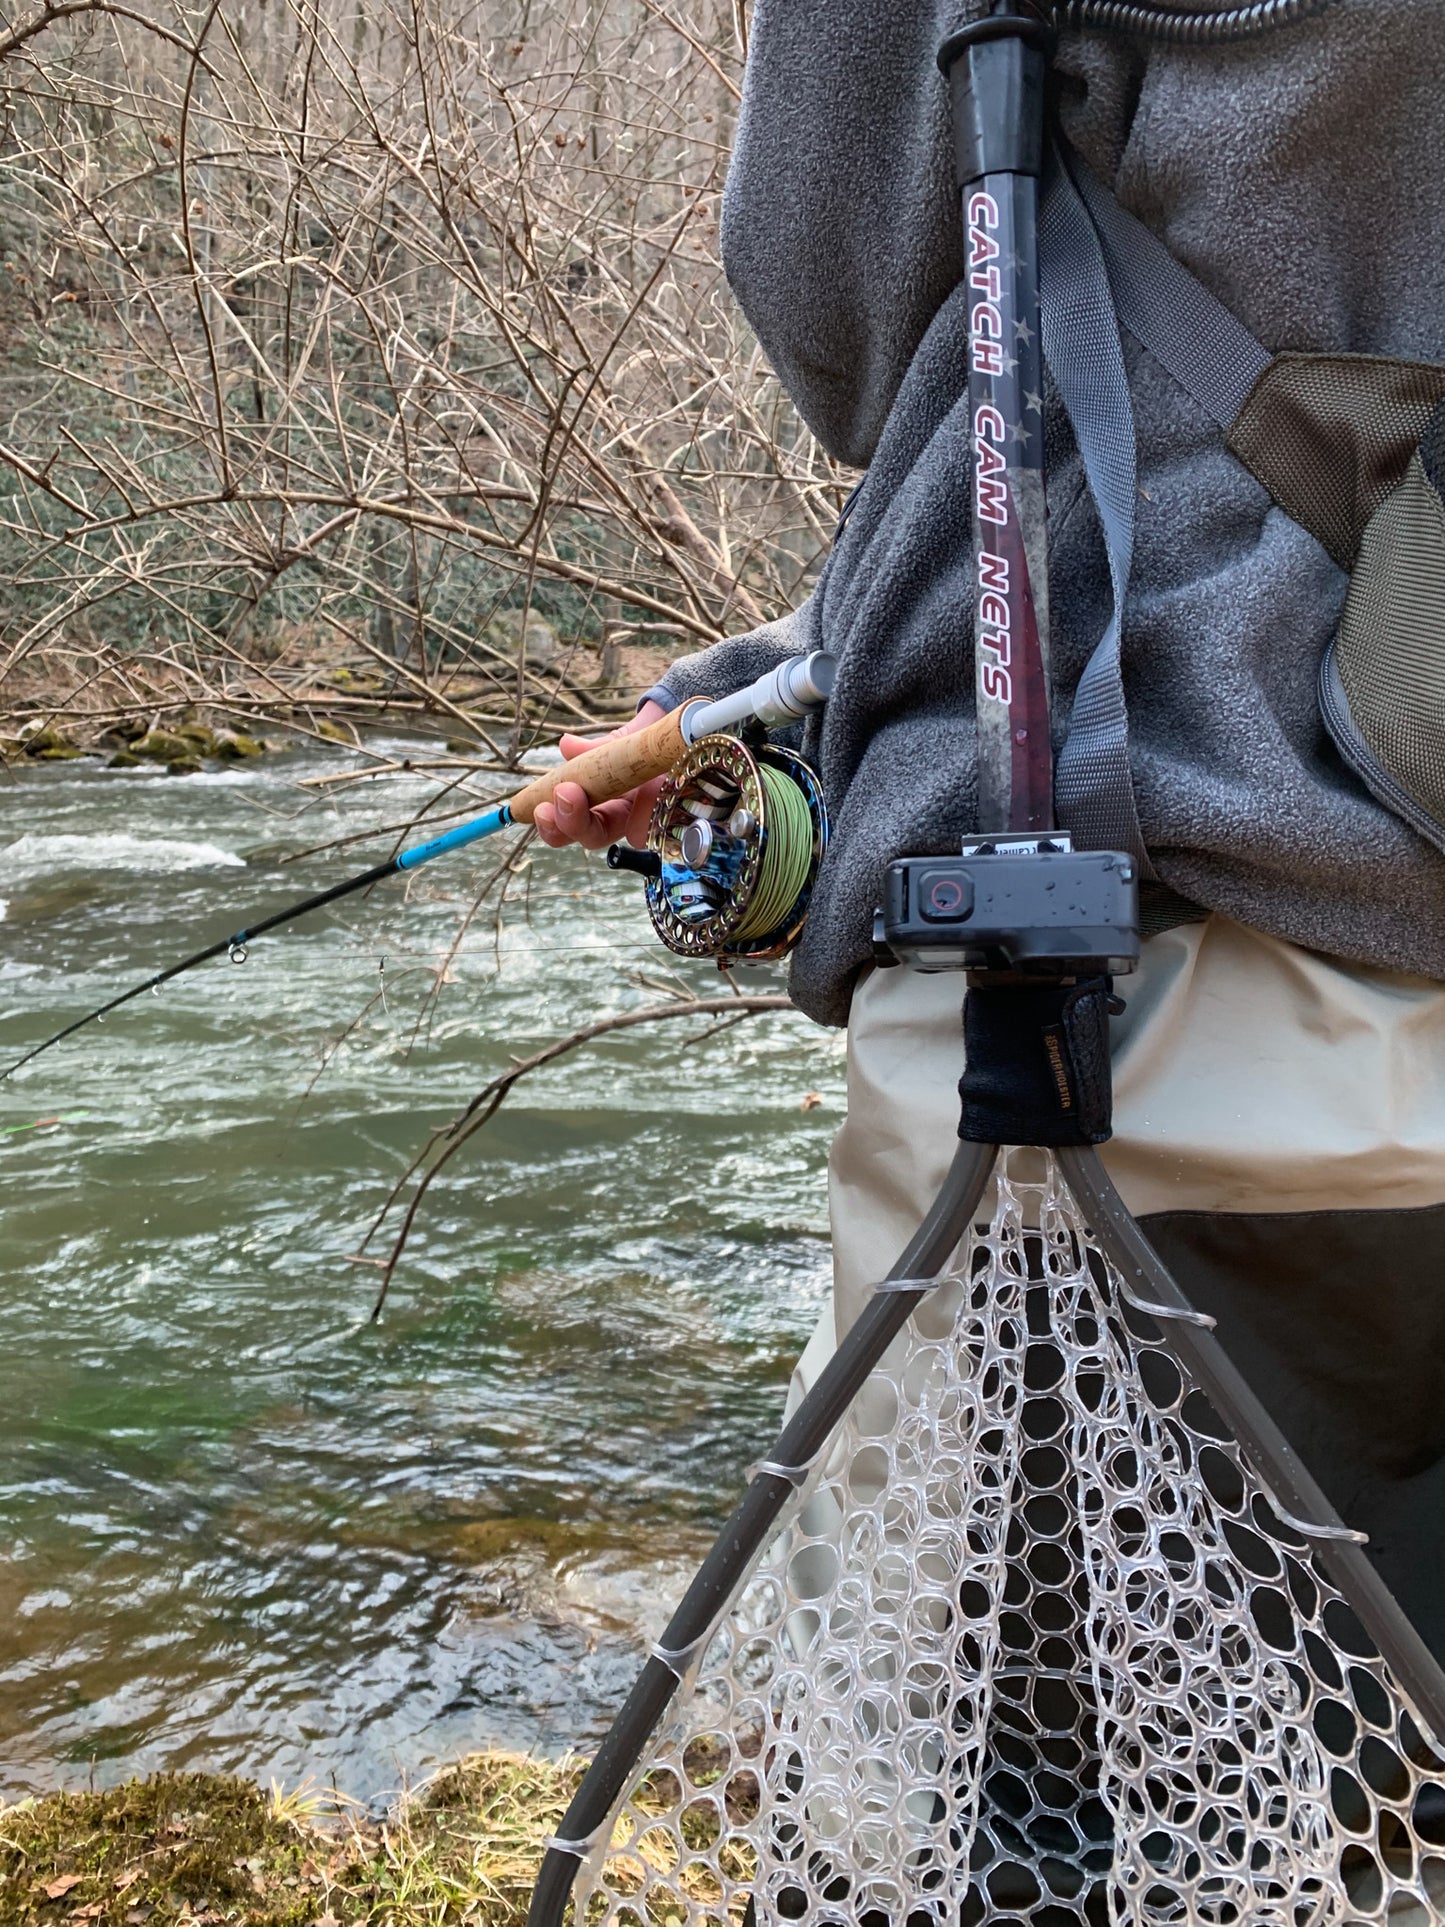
x=227, y=946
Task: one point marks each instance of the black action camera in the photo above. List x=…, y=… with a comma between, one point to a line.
x=1026, y=904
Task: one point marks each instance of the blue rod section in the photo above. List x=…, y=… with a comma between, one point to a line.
x=487, y=824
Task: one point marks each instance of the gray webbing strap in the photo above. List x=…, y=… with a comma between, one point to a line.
x=1212, y=356
x=1100, y=268
x=1092, y=786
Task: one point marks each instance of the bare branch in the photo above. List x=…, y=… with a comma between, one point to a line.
x=490, y=1099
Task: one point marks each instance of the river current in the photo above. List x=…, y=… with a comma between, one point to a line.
x=240, y=1526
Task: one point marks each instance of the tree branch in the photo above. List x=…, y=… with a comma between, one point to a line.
x=490, y=1099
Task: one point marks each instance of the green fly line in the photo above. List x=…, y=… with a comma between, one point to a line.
x=43, y=1123
x=787, y=856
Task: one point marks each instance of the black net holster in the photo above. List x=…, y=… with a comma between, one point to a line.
x=1037, y=1060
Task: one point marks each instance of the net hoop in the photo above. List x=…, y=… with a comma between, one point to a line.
x=1035, y=1643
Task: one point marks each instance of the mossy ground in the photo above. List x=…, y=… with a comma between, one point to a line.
x=195, y=1850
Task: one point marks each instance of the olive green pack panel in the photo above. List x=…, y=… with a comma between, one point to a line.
x=1336, y=440
x=1331, y=435
x=1389, y=654
x=1351, y=447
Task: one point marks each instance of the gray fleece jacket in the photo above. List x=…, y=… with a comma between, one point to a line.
x=1299, y=175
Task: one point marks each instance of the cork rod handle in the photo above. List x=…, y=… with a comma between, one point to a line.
x=613, y=768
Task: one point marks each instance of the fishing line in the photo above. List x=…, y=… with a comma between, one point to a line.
x=786, y=857
x=43, y=1123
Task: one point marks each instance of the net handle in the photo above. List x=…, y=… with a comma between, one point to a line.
x=742, y=1539
x=994, y=68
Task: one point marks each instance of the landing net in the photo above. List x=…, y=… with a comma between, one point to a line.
x=1032, y=1646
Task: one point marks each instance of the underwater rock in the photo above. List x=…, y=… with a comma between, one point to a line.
x=184, y=766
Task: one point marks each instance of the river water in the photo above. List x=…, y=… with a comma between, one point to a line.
x=240, y=1526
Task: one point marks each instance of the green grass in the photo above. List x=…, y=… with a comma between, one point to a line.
x=199, y=1850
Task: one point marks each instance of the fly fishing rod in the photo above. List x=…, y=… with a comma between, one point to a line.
x=1040, y=929
x=780, y=866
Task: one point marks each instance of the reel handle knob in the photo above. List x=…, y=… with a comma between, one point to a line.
x=643, y=863
x=613, y=767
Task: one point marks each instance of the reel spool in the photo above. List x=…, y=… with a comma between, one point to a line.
x=738, y=835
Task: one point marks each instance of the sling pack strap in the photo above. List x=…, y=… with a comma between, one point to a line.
x=1210, y=354
x=1093, y=791
x=1100, y=268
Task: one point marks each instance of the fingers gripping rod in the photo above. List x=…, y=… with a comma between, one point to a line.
x=995, y=66
x=621, y=763
x=610, y=769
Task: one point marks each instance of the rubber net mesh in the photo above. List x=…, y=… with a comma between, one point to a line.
x=1032, y=1646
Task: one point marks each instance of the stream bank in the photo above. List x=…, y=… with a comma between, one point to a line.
x=198, y=1850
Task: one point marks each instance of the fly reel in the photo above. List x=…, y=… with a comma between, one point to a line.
x=734, y=845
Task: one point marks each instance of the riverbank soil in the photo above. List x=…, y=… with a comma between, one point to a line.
x=197, y=1850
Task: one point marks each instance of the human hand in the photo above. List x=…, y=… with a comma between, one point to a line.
x=567, y=817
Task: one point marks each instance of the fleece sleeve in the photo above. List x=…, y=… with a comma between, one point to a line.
x=733, y=664
x=840, y=233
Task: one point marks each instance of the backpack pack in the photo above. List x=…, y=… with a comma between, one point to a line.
x=1351, y=447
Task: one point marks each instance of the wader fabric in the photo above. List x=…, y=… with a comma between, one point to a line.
x=1280, y=1132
